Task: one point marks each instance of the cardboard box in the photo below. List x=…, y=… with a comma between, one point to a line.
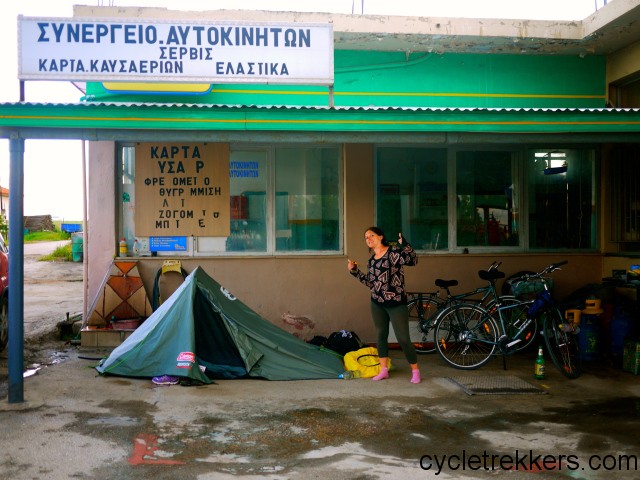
x=631, y=357
x=103, y=338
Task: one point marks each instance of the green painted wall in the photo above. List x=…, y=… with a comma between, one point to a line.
x=366, y=78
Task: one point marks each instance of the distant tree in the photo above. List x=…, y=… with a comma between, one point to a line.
x=4, y=227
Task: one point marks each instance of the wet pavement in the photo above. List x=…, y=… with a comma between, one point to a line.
x=77, y=424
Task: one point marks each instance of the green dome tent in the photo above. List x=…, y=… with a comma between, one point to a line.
x=204, y=327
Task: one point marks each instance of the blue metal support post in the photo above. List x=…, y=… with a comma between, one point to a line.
x=16, y=271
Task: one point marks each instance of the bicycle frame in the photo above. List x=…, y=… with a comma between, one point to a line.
x=506, y=342
x=429, y=307
x=467, y=335
x=486, y=292
x=542, y=300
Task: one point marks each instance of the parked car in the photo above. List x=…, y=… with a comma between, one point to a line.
x=4, y=294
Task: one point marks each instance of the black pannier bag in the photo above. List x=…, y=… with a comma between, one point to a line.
x=343, y=342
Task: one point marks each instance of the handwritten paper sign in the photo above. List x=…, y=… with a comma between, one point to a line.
x=182, y=189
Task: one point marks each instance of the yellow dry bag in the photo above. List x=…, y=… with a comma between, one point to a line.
x=365, y=360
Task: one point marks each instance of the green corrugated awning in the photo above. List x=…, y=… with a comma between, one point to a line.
x=160, y=116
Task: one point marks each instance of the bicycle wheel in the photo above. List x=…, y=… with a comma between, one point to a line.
x=466, y=336
x=562, y=345
x=422, y=312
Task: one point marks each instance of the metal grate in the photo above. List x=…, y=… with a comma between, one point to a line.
x=494, y=385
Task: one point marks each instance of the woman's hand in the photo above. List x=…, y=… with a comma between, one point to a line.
x=351, y=265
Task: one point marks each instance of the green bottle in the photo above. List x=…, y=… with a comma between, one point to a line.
x=539, y=367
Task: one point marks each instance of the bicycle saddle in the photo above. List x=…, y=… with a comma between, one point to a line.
x=490, y=275
x=446, y=283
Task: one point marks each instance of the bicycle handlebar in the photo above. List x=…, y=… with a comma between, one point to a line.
x=555, y=266
x=549, y=269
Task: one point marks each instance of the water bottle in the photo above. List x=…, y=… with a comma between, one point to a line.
x=539, y=365
x=350, y=374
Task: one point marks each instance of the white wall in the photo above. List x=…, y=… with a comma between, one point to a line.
x=100, y=243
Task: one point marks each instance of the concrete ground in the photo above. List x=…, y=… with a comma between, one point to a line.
x=77, y=424
x=51, y=290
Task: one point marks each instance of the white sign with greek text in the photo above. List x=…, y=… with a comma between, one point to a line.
x=155, y=51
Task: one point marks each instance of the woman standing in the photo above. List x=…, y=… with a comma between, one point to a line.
x=385, y=278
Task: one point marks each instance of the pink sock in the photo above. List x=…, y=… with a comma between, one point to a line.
x=384, y=373
x=415, y=376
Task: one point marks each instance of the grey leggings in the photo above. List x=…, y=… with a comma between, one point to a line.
x=399, y=319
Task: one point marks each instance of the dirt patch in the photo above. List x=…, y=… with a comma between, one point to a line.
x=52, y=290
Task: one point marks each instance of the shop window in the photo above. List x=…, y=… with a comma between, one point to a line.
x=280, y=200
x=486, y=210
x=248, y=202
x=456, y=199
x=128, y=195
x=283, y=199
x=307, y=200
x=412, y=195
x=561, y=199
x=625, y=197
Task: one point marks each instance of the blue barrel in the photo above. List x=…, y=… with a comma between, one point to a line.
x=77, y=251
x=589, y=337
x=621, y=327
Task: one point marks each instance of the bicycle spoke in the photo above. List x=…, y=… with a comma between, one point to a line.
x=562, y=344
x=466, y=336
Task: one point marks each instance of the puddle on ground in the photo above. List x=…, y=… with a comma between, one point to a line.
x=34, y=361
x=46, y=356
x=58, y=357
x=114, y=421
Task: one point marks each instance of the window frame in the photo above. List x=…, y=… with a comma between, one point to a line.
x=270, y=219
x=519, y=153
x=623, y=198
x=517, y=176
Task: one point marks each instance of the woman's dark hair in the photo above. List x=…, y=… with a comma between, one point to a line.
x=378, y=231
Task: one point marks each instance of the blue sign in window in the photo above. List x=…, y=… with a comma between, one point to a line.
x=168, y=244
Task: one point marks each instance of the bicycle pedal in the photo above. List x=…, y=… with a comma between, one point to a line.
x=511, y=344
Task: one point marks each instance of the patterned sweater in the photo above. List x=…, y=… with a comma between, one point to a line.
x=385, y=275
